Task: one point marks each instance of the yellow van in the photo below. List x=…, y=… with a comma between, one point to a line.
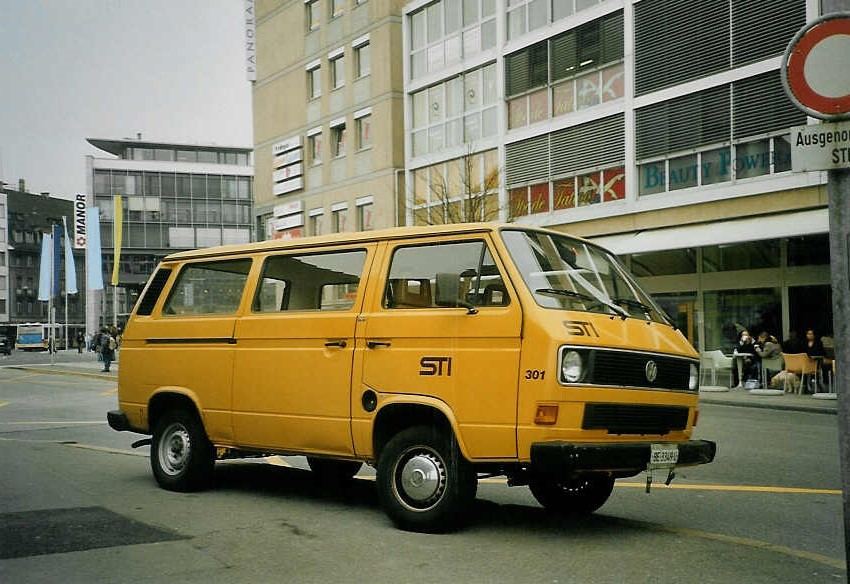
x=433, y=354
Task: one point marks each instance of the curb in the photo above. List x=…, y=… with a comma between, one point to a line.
x=46, y=371
x=770, y=406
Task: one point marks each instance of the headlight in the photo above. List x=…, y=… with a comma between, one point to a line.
x=693, y=380
x=572, y=367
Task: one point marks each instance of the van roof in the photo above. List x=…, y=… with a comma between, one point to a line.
x=357, y=237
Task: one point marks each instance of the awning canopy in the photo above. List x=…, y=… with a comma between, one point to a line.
x=720, y=232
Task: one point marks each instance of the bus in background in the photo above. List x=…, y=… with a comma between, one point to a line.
x=32, y=337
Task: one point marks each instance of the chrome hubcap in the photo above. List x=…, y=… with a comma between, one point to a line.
x=421, y=480
x=174, y=449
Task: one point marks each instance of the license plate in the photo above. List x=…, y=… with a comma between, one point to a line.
x=663, y=455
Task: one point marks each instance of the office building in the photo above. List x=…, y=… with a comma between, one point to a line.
x=658, y=128
x=174, y=197
x=328, y=116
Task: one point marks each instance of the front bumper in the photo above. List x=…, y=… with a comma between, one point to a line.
x=569, y=458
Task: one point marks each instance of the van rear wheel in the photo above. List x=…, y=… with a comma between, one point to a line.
x=572, y=496
x=182, y=457
x=424, y=483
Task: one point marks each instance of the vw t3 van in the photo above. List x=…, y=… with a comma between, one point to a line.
x=433, y=354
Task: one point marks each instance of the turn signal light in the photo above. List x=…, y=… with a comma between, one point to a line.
x=546, y=415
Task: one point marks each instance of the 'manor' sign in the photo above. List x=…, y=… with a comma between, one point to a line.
x=820, y=147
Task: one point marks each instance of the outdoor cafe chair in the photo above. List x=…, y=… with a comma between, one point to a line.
x=802, y=365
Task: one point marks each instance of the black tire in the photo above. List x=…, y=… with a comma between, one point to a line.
x=577, y=496
x=182, y=457
x=424, y=483
x=333, y=472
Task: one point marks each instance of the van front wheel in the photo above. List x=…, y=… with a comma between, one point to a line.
x=182, y=457
x=574, y=496
x=424, y=482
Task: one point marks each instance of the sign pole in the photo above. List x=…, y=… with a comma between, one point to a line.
x=838, y=187
x=839, y=249
x=809, y=76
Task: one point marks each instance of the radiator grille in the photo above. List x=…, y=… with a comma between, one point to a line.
x=621, y=368
x=634, y=419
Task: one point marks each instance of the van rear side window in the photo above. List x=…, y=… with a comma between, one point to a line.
x=148, y=301
x=208, y=288
x=321, y=281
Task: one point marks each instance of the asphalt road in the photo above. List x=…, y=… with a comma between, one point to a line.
x=77, y=504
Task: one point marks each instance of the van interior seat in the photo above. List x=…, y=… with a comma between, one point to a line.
x=410, y=293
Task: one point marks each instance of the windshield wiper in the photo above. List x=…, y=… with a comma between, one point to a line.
x=570, y=293
x=586, y=297
x=633, y=303
x=645, y=307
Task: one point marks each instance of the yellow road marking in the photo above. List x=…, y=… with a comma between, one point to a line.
x=25, y=376
x=754, y=543
x=110, y=391
x=3, y=404
x=278, y=461
x=48, y=422
x=735, y=488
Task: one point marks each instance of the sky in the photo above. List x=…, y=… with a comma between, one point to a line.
x=173, y=70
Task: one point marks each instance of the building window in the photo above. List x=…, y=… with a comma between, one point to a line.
x=575, y=70
x=312, y=15
x=314, y=223
x=337, y=8
x=338, y=216
x=581, y=190
x=460, y=110
x=314, y=147
x=445, y=32
x=364, y=132
x=365, y=215
x=314, y=82
x=362, y=61
x=337, y=66
x=338, y=137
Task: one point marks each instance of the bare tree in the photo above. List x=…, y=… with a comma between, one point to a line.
x=459, y=192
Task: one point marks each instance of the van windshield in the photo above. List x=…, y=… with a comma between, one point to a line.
x=568, y=274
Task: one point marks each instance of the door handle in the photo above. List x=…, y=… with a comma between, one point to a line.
x=374, y=344
x=341, y=344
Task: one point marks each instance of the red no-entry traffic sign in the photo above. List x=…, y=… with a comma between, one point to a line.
x=816, y=68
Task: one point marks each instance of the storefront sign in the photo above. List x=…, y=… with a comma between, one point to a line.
x=288, y=222
x=288, y=208
x=820, y=147
x=79, y=221
x=250, y=41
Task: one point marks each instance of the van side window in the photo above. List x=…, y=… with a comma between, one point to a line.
x=208, y=288
x=148, y=301
x=413, y=278
x=321, y=281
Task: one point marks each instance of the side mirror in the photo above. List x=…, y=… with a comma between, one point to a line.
x=448, y=292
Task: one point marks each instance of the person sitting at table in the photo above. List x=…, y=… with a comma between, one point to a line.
x=746, y=351
x=813, y=347
x=767, y=347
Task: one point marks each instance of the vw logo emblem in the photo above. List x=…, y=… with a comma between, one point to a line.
x=651, y=371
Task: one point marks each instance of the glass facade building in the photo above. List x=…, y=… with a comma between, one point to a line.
x=174, y=197
x=658, y=128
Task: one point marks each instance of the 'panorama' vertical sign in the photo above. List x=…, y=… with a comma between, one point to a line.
x=79, y=221
x=250, y=41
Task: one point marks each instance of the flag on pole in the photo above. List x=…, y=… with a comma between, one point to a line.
x=45, y=266
x=117, y=239
x=70, y=268
x=94, y=257
x=57, y=253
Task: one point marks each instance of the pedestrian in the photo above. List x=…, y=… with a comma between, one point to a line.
x=107, y=349
x=81, y=340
